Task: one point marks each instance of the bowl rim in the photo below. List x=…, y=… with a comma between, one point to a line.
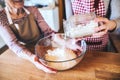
x=78, y=56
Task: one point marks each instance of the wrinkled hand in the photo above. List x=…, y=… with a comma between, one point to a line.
x=39, y=65
x=68, y=43
x=72, y=44
x=105, y=26
x=59, y=39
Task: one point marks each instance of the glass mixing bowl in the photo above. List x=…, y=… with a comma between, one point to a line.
x=57, y=57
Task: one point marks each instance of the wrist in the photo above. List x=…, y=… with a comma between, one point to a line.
x=114, y=25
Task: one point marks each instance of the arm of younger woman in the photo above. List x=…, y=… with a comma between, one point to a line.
x=107, y=25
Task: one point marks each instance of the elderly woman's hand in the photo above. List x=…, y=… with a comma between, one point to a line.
x=105, y=26
x=72, y=44
x=68, y=43
x=34, y=59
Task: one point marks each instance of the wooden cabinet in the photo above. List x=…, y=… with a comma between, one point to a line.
x=61, y=14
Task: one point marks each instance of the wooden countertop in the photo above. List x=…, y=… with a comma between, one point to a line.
x=94, y=66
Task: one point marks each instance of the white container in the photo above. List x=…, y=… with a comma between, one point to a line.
x=80, y=25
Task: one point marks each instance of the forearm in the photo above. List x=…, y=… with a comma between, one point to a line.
x=20, y=50
x=12, y=42
x=42, y=23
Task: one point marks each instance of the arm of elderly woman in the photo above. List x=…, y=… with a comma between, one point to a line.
x=13, y=43
x=41, y=22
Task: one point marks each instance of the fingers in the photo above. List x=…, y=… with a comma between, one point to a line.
x=79, y=39
x=100, y=34
x=43, y=67
x=59, y=40
x=101, y=28
x=79, y=48
x=101, y=19
x=100, y=31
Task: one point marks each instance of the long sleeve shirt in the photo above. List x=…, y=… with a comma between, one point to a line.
x=9, y=37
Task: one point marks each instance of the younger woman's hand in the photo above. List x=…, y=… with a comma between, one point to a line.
x=107, y=25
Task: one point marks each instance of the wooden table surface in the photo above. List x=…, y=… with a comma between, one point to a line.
x=94, y=66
